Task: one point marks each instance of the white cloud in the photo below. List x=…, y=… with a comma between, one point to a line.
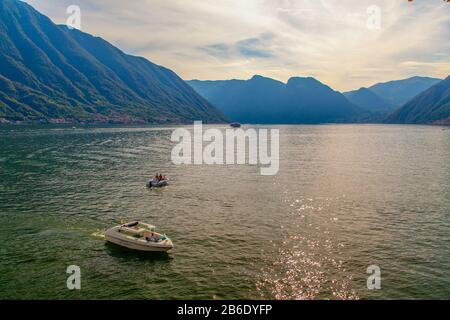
x=222, y=39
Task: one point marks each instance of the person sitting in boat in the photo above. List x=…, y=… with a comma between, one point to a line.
x=152, y=238
x=160, y=177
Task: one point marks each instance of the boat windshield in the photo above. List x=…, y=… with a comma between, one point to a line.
x=146, y=226
x=140, y=225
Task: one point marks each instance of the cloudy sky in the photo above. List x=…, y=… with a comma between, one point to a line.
x=340, y=42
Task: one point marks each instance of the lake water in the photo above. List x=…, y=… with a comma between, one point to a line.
x=346, y=197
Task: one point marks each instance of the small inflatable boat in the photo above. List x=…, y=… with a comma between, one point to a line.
x=139, y=236
x=157, y=183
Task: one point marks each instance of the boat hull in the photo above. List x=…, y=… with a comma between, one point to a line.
x=113, y=236
x=157, y=184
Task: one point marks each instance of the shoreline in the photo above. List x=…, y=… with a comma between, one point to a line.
x=6, y=123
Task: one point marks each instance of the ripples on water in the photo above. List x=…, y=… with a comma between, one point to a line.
x=346, y=197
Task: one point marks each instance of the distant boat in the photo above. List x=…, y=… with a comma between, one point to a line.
x=139, y=236
x=235, y=125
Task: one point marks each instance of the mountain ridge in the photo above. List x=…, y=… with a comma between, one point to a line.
x=399, y=92
x=386, y=97
x=430, y=107
x=50, y=73
x=367, y=99
x=301, y=100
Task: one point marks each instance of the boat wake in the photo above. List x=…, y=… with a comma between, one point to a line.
x=98, y=234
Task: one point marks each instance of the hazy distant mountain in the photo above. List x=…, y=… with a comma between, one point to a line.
x=389, y=96
x=397, y=93
x=367, y=99
x=51, y=73
x=431, y=106
x=264, y=100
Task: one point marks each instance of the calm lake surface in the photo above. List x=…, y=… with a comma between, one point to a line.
x=346, y=197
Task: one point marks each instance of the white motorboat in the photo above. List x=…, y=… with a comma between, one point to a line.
x=139, y=236
x=157, y=183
